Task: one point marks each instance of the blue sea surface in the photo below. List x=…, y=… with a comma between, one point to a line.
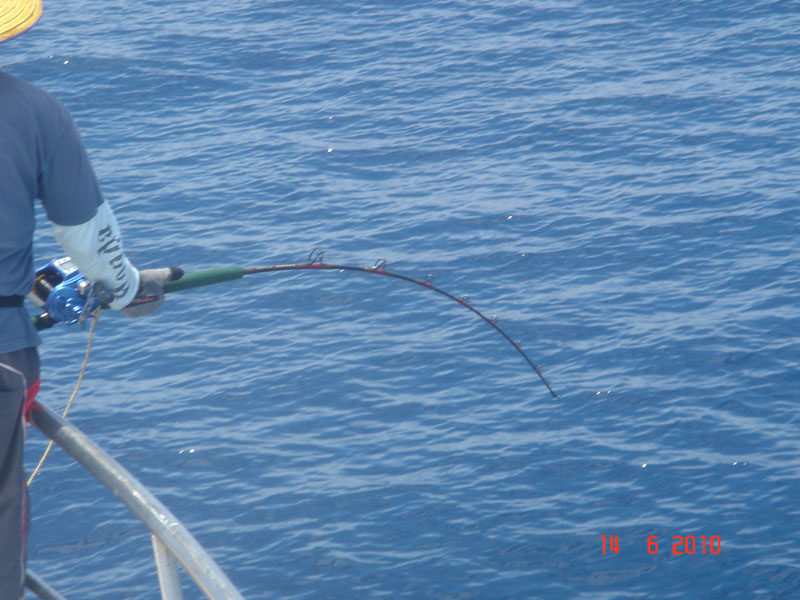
x=617, y=182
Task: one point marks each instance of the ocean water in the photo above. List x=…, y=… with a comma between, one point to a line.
x=617, y=182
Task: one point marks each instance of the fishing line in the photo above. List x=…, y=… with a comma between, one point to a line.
x=96, y=317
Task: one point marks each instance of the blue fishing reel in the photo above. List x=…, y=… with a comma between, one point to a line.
x=63, y=292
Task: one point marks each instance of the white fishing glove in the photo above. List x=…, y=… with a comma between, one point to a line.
x=151, y=291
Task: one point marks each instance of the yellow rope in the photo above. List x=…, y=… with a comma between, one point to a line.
x=96, y=315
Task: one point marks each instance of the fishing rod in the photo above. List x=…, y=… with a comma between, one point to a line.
x=68, y=300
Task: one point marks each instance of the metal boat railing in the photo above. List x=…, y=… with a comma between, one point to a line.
x=172, y=542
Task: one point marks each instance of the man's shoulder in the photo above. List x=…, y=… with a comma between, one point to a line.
x=16, y=91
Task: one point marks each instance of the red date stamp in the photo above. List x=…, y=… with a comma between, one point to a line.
x=681, y=544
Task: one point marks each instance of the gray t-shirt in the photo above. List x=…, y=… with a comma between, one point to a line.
x=41, y=156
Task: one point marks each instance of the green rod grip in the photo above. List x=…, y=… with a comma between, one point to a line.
x=201, y=278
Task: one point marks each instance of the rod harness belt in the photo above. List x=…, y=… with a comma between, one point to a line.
x=11, y=301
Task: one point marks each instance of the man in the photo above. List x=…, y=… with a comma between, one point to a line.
x=42, y=157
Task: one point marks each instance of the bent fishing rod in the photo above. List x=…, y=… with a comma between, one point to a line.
x=65, y=292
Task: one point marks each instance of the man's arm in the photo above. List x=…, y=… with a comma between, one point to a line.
x=96, y=249
x=85, y=225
